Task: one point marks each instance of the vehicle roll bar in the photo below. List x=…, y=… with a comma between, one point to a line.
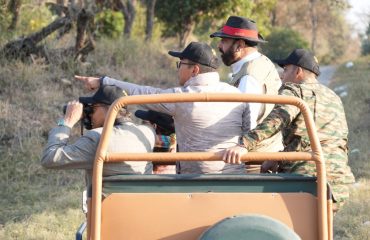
x=102, y=154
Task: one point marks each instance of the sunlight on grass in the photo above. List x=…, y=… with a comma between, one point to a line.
x=45, y=225
x=353, y=220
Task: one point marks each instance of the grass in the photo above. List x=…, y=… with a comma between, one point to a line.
x=44, y=204
x=353, y=221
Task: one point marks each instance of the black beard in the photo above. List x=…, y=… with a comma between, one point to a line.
x=228, y=57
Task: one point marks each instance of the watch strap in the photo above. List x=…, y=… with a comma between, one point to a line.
x=61, y=122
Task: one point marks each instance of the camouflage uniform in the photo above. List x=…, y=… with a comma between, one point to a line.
x=331, y=125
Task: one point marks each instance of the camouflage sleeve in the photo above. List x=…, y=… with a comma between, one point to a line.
x=280, y=117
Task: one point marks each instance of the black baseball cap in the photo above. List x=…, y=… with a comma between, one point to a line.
x=163, y=120
x=200, y=53
x=106, y=94
x=301, y=58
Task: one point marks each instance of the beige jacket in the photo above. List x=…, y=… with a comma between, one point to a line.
x=126, y=137
x=200, y=126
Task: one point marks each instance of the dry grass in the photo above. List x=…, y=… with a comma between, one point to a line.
x=353, y=221
x=45, y=204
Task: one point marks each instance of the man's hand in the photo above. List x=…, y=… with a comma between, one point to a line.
x=269, y=166
x=233, y=155
x=90, y=83
x=73, y=113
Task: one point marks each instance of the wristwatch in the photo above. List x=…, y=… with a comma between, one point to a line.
x=61, y=122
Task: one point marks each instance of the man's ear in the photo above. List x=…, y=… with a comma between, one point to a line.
x=298, y=70
x=299, y=73
x=196, y=70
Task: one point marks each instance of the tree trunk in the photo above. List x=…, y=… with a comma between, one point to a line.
x=14, y=7
x=128, y=11
x=273, y=17
x=185, y=34
x=150, y=7
x=27, y=45
x=83, y=20
x=60, y=3
x=314, y=20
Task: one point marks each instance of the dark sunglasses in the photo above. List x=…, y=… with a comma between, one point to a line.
x=178, y=64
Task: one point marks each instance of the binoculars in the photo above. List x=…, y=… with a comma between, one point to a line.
x=86, y=111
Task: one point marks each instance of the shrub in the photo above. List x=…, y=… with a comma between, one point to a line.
x=281, y=42
x=109, y=23
x=366, y=42
x=365, y=46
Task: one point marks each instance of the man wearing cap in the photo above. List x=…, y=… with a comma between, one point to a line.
x=200, y=126
x=253, y=72
x=126, y=137
x=299, y=80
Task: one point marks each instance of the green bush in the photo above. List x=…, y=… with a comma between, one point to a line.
x=281, y=42
x=365, y=46
x=366, y=42
x=109, y=23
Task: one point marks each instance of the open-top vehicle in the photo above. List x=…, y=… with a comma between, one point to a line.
x=249, y=206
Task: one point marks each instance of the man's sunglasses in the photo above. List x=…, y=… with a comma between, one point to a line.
x=178, y=64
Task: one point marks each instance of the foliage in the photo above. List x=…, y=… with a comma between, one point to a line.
x=138, y=28
x=109, y=23
x=180, y=17
x=337, y=35
x=256, y=10
x=281, y=42
x=260, y=11
x=365, y=46
x=4, y=20
x=332, y=31
x=32, y=18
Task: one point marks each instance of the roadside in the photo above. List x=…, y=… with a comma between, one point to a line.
x=327, y=73
x=351, y=83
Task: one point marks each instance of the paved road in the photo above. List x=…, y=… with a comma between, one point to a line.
x=327, y=72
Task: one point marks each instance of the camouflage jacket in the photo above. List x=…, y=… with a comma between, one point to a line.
x=331, y=126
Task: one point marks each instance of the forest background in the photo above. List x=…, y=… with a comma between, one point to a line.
x=43, y=44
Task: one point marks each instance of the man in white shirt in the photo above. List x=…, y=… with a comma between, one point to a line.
x=253, y=72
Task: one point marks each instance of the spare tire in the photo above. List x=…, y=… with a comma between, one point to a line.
x=251, y=227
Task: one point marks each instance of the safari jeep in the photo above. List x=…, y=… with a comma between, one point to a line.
x=187, y=207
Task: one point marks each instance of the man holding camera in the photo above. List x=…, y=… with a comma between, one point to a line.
x=126, y=137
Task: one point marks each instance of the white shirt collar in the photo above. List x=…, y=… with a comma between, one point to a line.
x=235, y=67
x=203, y=79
